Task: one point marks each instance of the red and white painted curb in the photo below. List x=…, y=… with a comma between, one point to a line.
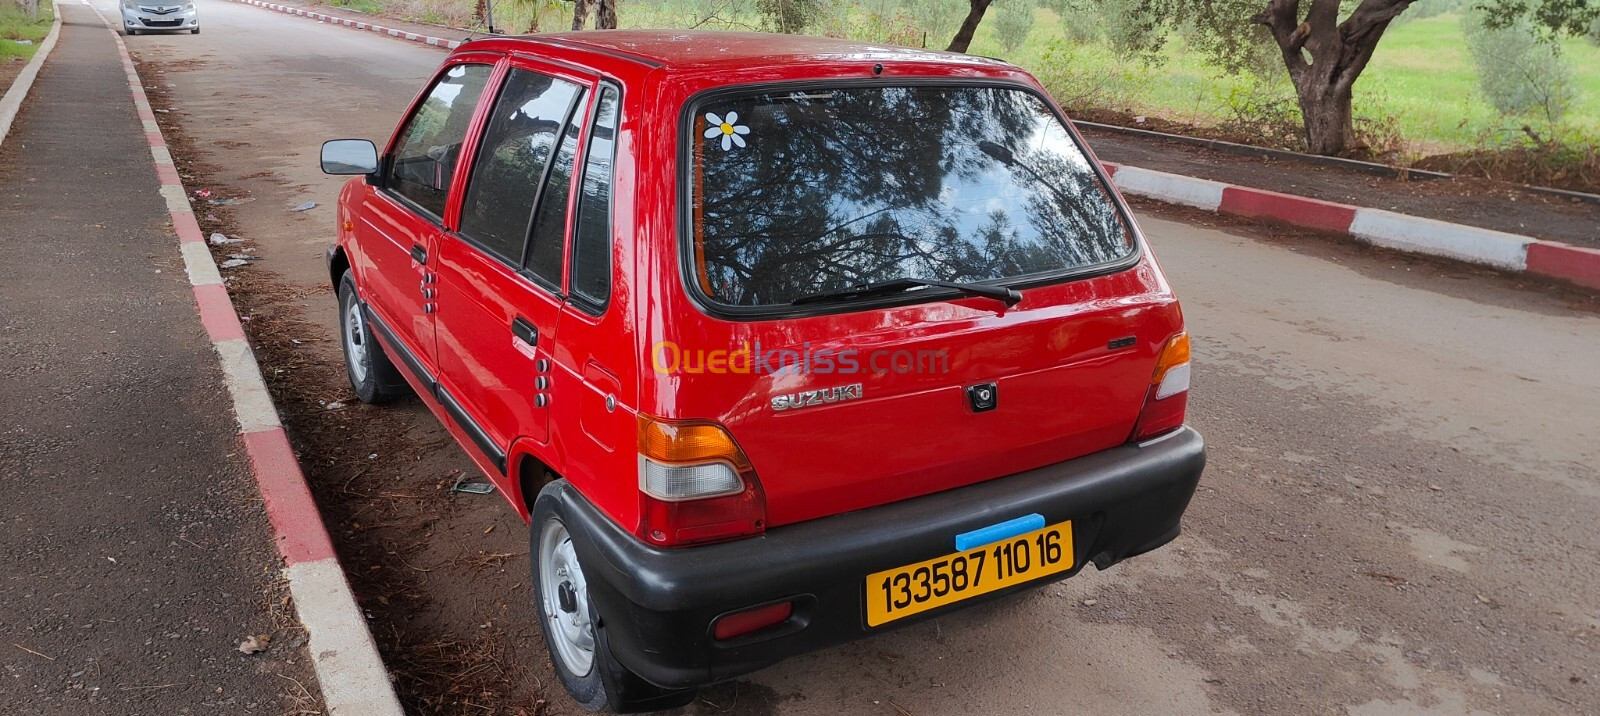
x=357, y=24
x=1403, y=232
x=351, y=674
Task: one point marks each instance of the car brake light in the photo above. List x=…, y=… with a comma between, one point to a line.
x=696, y=484
x=749, y=621
x=1168, y=396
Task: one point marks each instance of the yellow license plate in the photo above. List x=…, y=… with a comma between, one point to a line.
x=903, y=591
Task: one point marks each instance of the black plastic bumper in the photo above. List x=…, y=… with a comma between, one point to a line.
x=657, y=606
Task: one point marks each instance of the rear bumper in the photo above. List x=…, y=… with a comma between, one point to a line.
x=656, y=606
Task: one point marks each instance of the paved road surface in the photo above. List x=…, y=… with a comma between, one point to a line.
x=134, y=553
x=1398, y=517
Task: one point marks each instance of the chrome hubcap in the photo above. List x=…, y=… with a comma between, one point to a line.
x=355, y=341
x=565, y=606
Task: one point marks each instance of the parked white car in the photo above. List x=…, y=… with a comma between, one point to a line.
x=159, y=15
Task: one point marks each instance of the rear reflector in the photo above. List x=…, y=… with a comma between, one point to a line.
x=750, y=621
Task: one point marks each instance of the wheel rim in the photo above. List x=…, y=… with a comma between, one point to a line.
x=565, y=604
x=355, y=341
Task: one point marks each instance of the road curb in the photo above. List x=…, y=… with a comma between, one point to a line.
x=1402, y=232
x=11, y=102
x=349, y=670
x=357, y=24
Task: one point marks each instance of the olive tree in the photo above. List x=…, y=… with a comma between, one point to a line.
x=1326, y=44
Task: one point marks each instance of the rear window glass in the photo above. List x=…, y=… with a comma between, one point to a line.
x=797, y=192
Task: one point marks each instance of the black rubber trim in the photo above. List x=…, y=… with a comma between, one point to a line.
x=473, y=430
x=657, y=604
x=400, y=349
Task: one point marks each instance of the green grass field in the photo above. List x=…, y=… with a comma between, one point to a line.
x=16, y=24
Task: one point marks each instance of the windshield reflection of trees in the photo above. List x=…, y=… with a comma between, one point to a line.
x=853, y=186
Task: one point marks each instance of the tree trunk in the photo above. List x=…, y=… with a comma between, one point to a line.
x=607, y=17
x=580, y=13
x=1329, y=127
x=1325, y=57
x=963, y=37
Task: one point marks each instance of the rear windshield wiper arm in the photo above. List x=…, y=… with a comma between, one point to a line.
x=1008, y=296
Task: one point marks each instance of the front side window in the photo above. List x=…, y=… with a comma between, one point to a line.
x=799, y=192
x=429, y=149
x=517, y=144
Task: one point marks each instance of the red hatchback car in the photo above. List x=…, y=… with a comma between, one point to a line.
x=777, y=341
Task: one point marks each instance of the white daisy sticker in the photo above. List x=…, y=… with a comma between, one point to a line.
x=728, y=128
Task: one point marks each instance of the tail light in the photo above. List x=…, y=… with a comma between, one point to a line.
x=1168, y=397
x=697, y=485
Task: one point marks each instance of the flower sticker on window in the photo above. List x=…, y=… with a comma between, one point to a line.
x=728, y=128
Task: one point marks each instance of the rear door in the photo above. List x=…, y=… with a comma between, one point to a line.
x=501, y=282
x=403, y=219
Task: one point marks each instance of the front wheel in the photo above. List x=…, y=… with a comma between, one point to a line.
x=195, y=31
x=372, y=375
x=131, y=32
x=574, y=633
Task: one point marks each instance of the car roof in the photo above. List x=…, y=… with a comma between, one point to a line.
x=703, y=49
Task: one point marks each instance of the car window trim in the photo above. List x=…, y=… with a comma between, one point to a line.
x=585, y=303
x=494, y=60
x=684, y=227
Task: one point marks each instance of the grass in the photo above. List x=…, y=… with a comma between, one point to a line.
x=16, y=24
x=1420, y=88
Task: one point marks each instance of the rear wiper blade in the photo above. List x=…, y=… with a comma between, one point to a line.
x=1008, y=296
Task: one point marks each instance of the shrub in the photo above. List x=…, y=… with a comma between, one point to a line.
x=791, y=16
x=1013, y=22
x=1520, y=72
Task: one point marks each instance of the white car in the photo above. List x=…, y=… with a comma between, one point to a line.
x=150, y=15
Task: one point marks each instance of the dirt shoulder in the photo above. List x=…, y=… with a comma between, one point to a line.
x=1474, y=202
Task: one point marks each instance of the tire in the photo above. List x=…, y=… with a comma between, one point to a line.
x=131, y=32
x=195, y=31
x=594, y=678
x=371, y=373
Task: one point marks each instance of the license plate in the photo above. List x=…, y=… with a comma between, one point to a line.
x=904, y=591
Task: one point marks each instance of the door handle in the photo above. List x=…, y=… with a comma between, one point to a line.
x=419, y=254
x=525, y=331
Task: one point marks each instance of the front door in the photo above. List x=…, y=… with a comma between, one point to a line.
x=402, y=220
x=501, y=274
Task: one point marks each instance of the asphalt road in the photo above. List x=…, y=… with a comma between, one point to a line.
x=1398, y=516
x=135, y=555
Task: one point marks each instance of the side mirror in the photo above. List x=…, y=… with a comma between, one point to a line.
x=349, y=156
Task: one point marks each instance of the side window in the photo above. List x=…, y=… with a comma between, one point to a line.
x=425, y=158
x=550, y=219
x=591, y=246
x=523, y=130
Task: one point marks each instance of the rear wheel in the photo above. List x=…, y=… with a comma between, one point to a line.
x=574, y=633
x=372, y=375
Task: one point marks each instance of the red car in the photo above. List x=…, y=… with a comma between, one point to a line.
x=777, y=341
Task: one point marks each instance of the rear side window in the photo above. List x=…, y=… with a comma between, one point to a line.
x=591, y=247
x=549, y=241
x=429, y=149
x=521, y=135
x=797, y=192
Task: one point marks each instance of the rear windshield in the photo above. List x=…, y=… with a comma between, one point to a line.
x=799, y=192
